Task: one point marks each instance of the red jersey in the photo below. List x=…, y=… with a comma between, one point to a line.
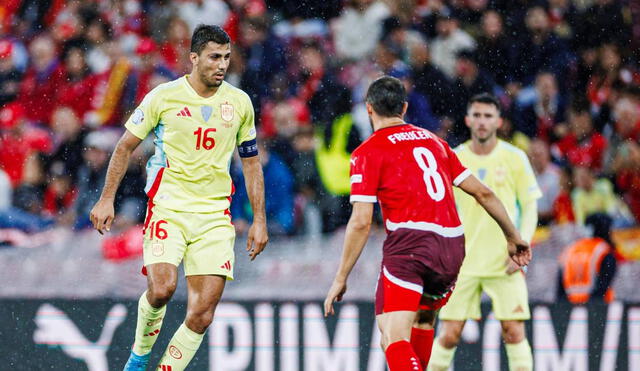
x=410, y=172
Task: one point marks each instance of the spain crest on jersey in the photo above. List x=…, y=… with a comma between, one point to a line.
x=226, y=111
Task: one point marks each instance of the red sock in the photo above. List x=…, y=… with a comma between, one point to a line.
x=422, y=342
x=401, y=357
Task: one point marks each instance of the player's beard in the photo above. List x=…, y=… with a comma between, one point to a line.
x=209, y=82
x=486, y=138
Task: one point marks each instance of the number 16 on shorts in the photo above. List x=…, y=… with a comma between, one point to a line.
x=157, y=233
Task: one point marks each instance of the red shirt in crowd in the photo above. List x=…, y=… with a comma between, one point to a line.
x=39, y=90
x=588, y=152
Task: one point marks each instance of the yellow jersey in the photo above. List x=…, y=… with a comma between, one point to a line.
x=194, y=141
x=507, y=171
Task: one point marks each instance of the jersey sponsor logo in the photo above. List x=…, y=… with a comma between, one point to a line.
x=226, y=111
x=138, y=116
x=356, y=178
x=184, y=112
x=226, y=265
x=175, y=352
x=206, y=112
x=409, y=135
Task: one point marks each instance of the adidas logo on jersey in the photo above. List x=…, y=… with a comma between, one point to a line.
x=184, y=112
x=226, y=265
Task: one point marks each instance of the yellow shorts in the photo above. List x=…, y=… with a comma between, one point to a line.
x=508, y=293
x=203, y=240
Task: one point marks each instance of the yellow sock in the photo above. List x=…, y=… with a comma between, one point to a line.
x=441, y=357
x=148, y=326
x=181, y=349
x=519, y=356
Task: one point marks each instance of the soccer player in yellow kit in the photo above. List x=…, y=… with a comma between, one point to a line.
x=487, y=267
x=197, y=121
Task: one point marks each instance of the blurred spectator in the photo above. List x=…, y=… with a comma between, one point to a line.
x=562, y=205
x=151, y=72
x=319, y=87
x=603, y=22
x=430, y=81
x=626, y=166
x=196, y=12
x=626, y=127
x=307, y=181
x=547, y=177
x=18, y=140
x=264, y=57
x=470, y=80
x=608, y=72
x=563, y=18
x=98, y=33
x=279, y=196
x=91, y=176
x=588, y=266
x=450, y=40
x=68, y=139
x=582, y=146
x=358, y=28
x=507, y=132
x=538, y=49
x=131, y=199
x=419, y=110
x=494, y=48
x=60, y=193
x=78, y=89
x=175, y=50
x=280, y=95
x=540, y=107
x=44, y=76
x=29, y=194
x=592, y=195
x=334, y=147
x=10, y=77
x=160, y=15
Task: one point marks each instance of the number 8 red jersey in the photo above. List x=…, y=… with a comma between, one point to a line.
x=410, y=172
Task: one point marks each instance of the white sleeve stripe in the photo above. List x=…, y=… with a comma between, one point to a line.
x=363, y=198
x=407, y=285
x=461, y=177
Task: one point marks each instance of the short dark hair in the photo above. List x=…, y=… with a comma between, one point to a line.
x=205, y=33
x=387, y=96
x=485, y=98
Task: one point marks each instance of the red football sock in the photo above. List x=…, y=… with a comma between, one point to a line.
x=401, y=357
x=422, y=342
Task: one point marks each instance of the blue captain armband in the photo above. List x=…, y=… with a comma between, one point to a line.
x=248, y=148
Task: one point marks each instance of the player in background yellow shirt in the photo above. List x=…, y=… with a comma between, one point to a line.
x=197, y=121
x=487, y=267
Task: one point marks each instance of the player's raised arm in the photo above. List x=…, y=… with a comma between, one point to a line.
x=354, y=241
x=254, y=181
x=103, y=213
x=518, y=248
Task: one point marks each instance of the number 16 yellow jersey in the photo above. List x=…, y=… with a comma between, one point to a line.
x=194, y=140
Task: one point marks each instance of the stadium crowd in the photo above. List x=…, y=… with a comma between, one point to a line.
x=566, y=73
